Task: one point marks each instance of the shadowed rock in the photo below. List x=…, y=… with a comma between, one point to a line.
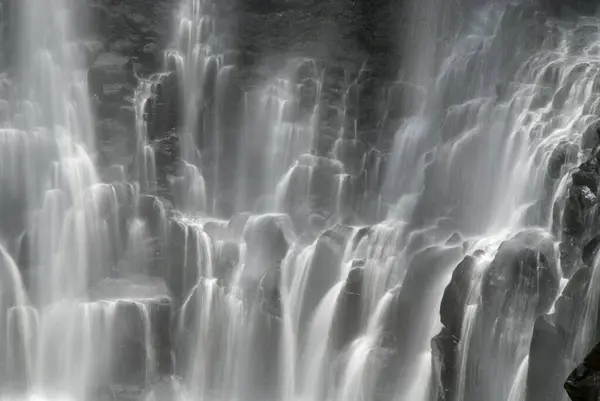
x=583, y=384
x=525, y=265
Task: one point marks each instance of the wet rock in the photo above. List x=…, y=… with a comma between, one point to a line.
x=565, y=153
x=167, y=151
x=111, y=76
x=455, y=296
x=351, y=153
x=583, y=384
x=237, y=223
x=587, y=197
x=270, y=293
x=227, y=257
x=347, y=313
x=180, y=273
x=589, y=251
x=90, y=50
x=569, y=8
x=361, y=234
x=161, y=314
x=545, y=357
x=312, y=189
x=418, y=292
x=525, y=266
x=132, y=25
x=152, y=210
x=570, y=254
x=443, y=354
x=163, y=108
x=325, y=266
x=580, y=212
x=400, y=100
x=267, y=238
x=591, y=136
x=116, y=142
x=133, y=322
x=571, y=303
x=586, y=178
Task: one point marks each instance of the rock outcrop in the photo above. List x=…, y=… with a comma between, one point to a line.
x=583, y=384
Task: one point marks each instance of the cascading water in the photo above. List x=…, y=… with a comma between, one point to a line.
x=61, y=225
x=260, y=245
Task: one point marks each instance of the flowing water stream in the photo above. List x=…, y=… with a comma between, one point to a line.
x=290, y=260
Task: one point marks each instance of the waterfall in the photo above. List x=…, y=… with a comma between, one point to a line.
x=265, y=228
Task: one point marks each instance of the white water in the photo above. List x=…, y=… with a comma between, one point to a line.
x=286, y=303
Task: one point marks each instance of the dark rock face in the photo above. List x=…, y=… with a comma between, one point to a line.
x=557, y=332
x=564, y=153
x=443, y=349
x=456, y=294
x=523, y=264
x=323, y=272
x=520, y=283
x=583, y=384
x=134, y=322
x=452, y=310
x=133, y=28
x=570, y=304
x=574, y=7
x=545, y=368
x=267, y=239
x=580, y=213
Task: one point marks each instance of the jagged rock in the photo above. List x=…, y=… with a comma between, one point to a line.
x=579, y=213
x=524, y=265
x=588, y=198
x=586, y=178
x=583, y=384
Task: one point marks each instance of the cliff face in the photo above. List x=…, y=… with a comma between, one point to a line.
x=355, y=45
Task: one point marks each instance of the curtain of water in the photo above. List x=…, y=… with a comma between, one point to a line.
x=282, y=301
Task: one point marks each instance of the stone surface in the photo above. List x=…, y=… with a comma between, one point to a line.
x=525, y=266
x=583, y=384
